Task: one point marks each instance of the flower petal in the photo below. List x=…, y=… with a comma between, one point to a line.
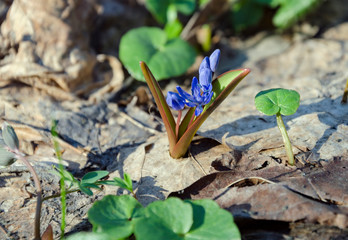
x=196, y=90
x=205, y=64
x=175, y=101
x=205, y=78
x=185, y=95
x=198, y=110
x=214, y=59
x=207, y=98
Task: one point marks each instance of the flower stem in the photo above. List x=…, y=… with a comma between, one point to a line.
x=286, y=139
x=178, y=125
x=39, y=195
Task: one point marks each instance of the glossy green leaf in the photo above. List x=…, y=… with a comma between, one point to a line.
x=278, y=100
x=113, y=215
x=292, y=10
x=92, y=177
x=159, y=9
x=222, y=86
x=166, y=57
x=211, y=222
x=9, y=136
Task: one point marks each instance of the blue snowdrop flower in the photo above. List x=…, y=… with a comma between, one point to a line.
x=201, y=91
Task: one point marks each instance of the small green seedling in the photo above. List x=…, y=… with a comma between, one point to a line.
x=279, y=102
x=125, y=183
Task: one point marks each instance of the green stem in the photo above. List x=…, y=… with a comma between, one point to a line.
x=59, y=194
x=39, y=195
x=286, y=139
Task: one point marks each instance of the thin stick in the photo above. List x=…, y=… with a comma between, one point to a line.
x=39, y=195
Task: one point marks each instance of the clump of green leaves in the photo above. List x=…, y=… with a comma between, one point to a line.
x=88, y=181
x=157, y=46
x=121, y=217
x=279, y=102
x=168, y=57
x=247, y=13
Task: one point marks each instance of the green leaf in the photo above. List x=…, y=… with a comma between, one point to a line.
x=92, y=177
x=128, y=182
x=246, y=14
x=159, y=9
x=211, y=222
x=6, y=157
x=277, y=100
x=173, y=29
x=222, y=87
x=169, y=219
x=163, y=108
x=292, y=10
x=166, y=57
x=125, y=183
x=68, y=177
x=90, y=236
x=113, y=215
x=9, y=136
x=189, y=220
x=86, y=190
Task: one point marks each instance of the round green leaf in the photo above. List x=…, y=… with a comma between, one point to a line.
x=278, y=100
x=169, y=219
x=166, y=58
x=211, y=222
x=113, y=215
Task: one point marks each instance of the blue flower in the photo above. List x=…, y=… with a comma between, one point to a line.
x=199, y=98
x=201, y=91
x=175, y=101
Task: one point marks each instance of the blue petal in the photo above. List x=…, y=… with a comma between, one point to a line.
x=175, y=101
x=214, y=59
x=207, y=98
x=185, y=95
x=199, y=110
x=196, y=90
x=205, y=64
x=205, y=78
